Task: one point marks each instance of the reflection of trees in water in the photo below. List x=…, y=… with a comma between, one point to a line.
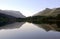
x=48, y=27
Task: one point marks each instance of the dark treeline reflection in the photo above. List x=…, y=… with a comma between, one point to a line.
x=48, y=27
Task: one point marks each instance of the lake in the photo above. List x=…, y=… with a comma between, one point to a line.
x=25, y=30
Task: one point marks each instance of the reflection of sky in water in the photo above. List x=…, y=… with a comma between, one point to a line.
x=28, y=31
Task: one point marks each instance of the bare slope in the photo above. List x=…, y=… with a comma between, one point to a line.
x=49, y=12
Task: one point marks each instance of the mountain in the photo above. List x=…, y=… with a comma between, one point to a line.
x=16, y=14
x=49, y=12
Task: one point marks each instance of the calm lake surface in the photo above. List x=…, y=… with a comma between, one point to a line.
x=25, y=30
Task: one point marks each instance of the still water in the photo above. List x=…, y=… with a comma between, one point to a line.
x=25, y=30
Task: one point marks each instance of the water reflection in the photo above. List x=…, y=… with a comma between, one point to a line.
x=47, y=26
x=29, y=31
x=13, y=25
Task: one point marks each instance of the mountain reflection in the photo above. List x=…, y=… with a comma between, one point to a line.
x=13, y=25
x=48, y=27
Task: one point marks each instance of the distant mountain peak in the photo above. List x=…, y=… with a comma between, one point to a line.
x=47, y=9
x=16, y=14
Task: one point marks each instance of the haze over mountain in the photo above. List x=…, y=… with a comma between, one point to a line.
x=16, y=14
x=49, y=12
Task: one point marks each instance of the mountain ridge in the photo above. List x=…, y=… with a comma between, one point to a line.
x=16, y=14
x=48, y=12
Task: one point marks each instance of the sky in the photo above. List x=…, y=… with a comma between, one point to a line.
x=28, y=7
